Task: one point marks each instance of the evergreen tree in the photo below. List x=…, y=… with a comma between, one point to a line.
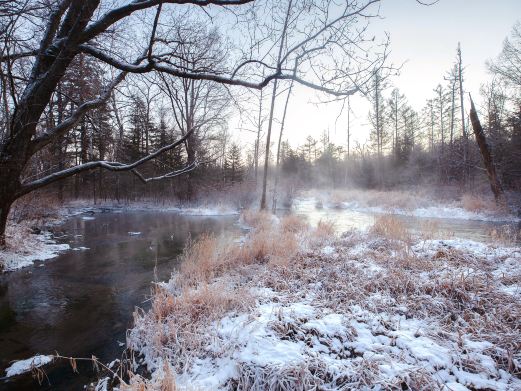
x=233, y=167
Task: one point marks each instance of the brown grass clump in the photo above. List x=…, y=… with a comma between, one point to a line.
x=174, y=328
x=206, y=288
x=164, y=382
x=201, y=259
x=293, y=223
x=478, y=203
x=391, y=227
x=454, y=291
x=506, y=235
x=324, y=231
x=257, y=219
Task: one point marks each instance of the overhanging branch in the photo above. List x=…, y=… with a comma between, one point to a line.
x=111, y=166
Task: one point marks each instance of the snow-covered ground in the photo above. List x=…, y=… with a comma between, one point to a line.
x=357, y=312
x=31, y=248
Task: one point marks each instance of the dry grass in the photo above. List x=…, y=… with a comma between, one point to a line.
x=410, y=199
x=478, y=203
x=391, y=227
x=293, y=223
x=256, y=219
x=164, y=382
x=450, y=288
x=323, y=232
x=507, y=235
x=36, y=208
x=206, y=288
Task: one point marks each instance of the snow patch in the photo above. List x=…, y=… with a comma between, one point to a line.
x=81, y=248
x=22, y=366
x=36, y=248
x=328, y=250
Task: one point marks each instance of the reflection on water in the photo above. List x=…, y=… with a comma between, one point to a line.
x=347, y=219
x=81, y=303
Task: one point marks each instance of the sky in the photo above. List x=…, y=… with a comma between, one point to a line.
x=423, y=39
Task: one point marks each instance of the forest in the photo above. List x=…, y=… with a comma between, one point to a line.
x=171, y=211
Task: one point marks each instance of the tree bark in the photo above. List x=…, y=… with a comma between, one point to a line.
x=5, y=206
x=488, y=160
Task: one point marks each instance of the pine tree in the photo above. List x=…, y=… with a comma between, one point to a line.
x=233, y=167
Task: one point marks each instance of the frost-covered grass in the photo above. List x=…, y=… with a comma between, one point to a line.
x=294, y=308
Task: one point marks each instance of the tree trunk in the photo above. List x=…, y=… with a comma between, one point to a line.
x=268, y=141
x=277, y=172
x=4, y=213
x=488, y=160
x=5, y=204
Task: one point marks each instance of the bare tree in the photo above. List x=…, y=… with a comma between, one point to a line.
x=347, y=59
x=198, y=105
x=507, y=64
x=35, y=61
x=486, y=154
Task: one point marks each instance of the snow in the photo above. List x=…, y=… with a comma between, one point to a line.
x=372, y=338
x=342, y=342
x=22, y=366
x=102, y=384
x=436, y=212
x=36, y=248
x=328, y=250
x=76, y=209
x=209, y=211
x=477, y=249
x=80, y=248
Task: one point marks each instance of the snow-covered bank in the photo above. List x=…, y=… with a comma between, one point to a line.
x=360, y=311
x=24, y=248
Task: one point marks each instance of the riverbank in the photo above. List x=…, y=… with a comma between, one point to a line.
x=291, y=307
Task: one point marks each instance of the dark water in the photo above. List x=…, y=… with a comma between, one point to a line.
x=81, y=302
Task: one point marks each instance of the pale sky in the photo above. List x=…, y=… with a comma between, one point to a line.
x=424, y=39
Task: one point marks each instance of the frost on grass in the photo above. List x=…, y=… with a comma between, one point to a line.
x=376, y=310
x=24, y=247
x=23, y=366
